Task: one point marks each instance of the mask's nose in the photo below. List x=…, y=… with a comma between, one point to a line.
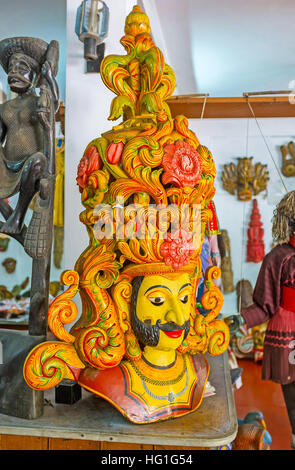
x=175, y=313
x=13, y=68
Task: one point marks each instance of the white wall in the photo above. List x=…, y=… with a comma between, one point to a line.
x=227, y=139
x=227, y=47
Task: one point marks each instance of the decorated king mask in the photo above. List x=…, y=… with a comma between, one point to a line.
x=146, y=187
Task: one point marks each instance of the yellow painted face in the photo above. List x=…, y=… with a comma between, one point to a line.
x=165, y=301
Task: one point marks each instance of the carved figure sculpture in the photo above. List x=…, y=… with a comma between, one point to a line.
x=226, y=266
x=28, y=62
x=288, y=159
x=139, y=341
x=255, y=232
x=27, y=156
x=210, y=255
x=58, y=218
x=27, y=170
x=244, y=178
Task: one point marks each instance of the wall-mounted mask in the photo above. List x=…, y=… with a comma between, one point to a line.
x=288, y=159
x=244, y=178
x=54, y=288
x=5, y=293
x=18, y=288
x=4, y=242
x=9, y=265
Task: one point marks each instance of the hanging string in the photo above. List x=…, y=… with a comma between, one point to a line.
x=266, y=144
x=243, y=253
x=247, y=137
x=203, y=108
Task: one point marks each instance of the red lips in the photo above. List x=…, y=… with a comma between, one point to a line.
x=174, y=333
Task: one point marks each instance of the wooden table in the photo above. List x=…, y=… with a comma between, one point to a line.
x=14, y=325
x=92, y=423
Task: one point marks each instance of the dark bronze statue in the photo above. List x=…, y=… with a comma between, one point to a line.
x=27, y=169
x=29, y=63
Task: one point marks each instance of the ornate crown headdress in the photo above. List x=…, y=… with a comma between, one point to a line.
x=148, y=163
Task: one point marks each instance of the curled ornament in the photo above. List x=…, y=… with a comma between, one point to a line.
x=49, y=363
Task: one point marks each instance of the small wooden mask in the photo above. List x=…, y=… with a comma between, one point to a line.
x=9, y=265
x=288, y=159
x=244, y=178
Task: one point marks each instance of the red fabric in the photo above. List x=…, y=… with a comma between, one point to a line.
x=277, y=273
x=278, y=346
x=213, y=225
x=277, y=268
x=288, y=298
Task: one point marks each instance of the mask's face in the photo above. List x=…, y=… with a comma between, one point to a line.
x=20, y=74
x=163, y=310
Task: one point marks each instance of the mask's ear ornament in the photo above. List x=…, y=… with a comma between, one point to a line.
x=146, y=187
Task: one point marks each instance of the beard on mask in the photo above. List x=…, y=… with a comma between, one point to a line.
x=149, y=335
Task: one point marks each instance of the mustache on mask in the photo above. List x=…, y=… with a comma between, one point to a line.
x=170, y=326
x=150, y=334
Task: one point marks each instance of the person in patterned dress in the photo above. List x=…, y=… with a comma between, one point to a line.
x=274, y=302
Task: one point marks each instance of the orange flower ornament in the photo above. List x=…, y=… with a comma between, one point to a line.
x=182, y=164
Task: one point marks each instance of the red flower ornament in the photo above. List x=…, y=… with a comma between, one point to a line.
x=89, y=162
x=114, y=152
x=177, y=249
x=182, y=164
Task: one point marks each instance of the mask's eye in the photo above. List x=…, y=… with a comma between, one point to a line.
x=184, y=299
x=23, y=70
x=156, y=300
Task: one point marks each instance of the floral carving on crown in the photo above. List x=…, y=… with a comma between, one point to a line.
x=89, y=163
x=182, y=164
x=177, y=249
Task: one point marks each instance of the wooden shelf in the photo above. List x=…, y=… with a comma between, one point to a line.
x=213, y=424
x=237, y=107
